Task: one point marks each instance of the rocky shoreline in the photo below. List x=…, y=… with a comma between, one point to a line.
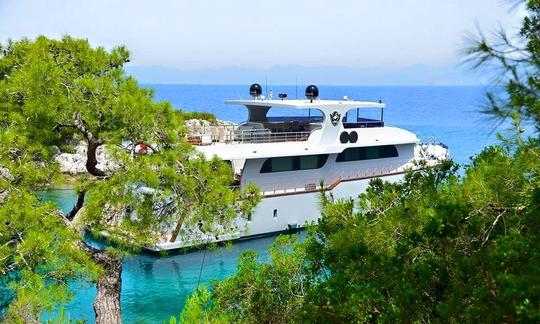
x=75, y=163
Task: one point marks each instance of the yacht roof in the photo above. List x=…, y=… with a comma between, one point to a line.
x=305, y=103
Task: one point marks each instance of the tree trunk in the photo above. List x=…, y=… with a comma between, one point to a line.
x=93, y=144
x=107, y=306
x=78, y=205
x=91, y=159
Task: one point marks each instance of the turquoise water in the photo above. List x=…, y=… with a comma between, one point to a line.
x=154, y=288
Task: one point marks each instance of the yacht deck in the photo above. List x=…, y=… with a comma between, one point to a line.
x=233, y=150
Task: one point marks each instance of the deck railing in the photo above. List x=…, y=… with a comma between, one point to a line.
x=207, y=135
x=314, y=185
x=256, y=136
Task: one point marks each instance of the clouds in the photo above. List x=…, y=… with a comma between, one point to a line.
x=210, y=34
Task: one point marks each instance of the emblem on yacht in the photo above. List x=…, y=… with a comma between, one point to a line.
x=334, y=118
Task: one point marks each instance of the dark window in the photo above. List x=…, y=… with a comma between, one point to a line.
x=367, y=153
x=293, y=163
x=275, y=213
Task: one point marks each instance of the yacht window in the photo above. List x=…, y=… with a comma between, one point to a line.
x=309, y=162
x=367, y=153
x=293, y=163
x=282, y=164
x=362, y=118
x=373, y=152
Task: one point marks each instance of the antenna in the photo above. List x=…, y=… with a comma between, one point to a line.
x=266, y=86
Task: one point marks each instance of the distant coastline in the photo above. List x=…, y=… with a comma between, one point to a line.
x=415, y=75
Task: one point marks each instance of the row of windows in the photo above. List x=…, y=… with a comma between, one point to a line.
x=293, y=163
x=367, y=153
x=307, y=162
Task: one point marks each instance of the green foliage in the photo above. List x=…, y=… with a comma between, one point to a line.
x=198, y=310
x=38, y=253
x=197, y=115
x=57, y=92
x=517, y=63
x=46, y=83
x=185, y=184
x=64, y=318
x=24, y=162
x=434, y=247
x=259, y=292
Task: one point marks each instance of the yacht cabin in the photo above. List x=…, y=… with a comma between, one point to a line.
x=333, y=141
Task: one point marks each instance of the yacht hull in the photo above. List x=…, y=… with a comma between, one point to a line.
x=278, y=213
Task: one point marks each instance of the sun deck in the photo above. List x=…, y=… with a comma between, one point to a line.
x=262, y=128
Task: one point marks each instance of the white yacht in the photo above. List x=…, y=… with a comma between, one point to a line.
x=334, y=145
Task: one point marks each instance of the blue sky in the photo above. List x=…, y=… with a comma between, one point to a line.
x=173, y=40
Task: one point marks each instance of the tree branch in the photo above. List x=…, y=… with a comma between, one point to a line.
x=81, y=126
x=57, y=127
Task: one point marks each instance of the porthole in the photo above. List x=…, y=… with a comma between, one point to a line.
x=353, y=136
x=344, y=137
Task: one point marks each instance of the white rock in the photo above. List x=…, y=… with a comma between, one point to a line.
x=6, y=174
x=81, y=148
x=204, y=127
x=75, y=163
x=226, y=123
x=71, y=163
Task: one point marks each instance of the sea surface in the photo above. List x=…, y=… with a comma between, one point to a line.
x=155, y=288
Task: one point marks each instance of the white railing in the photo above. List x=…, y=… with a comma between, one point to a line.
x=265, y=136
x=315, y=185
x=206, y=135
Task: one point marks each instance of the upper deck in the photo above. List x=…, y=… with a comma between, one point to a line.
x=323, y=105
x=326, y=125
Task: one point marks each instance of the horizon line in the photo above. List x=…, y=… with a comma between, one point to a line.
x=321, y=84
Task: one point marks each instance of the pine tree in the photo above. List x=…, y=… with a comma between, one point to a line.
x=54, y=92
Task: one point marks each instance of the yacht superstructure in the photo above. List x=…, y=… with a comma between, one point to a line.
x=333, y=147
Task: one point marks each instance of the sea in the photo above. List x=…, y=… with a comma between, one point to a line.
x=154, y=288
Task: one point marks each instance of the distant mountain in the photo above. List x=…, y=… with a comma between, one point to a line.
x=327, y=75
